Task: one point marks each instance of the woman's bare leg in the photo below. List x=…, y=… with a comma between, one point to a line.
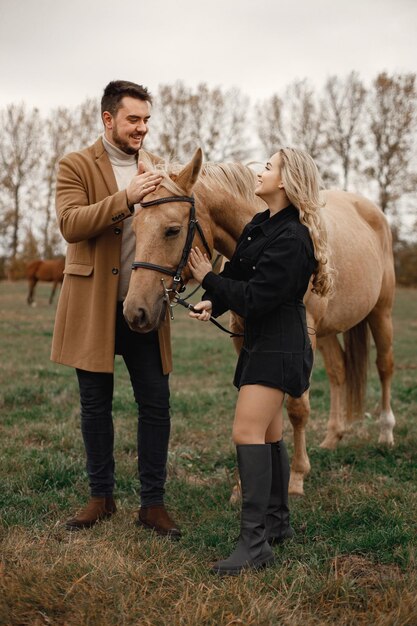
x=258, y=415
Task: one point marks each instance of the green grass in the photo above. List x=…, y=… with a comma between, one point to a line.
x=353, y=560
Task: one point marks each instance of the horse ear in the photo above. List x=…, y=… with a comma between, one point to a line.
x=187, y=177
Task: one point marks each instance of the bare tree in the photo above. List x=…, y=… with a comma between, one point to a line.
x=65, y=130
x=169, y=135
x=87, y=124
x=206, y=109
x=343, y=109
x=20, y=152
x=305, y=116
x=270, y=124
x=218, y=121
x=393, y=114
x=233, y=142
x=60, y=129
x=210, y=118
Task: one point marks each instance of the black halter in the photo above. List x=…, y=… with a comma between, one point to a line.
x=193, y=225
x=179, y=286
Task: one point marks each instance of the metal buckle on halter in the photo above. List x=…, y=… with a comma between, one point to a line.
x=179, y=284
x=167, y=298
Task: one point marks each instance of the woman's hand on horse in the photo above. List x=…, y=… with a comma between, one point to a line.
x=199, y=264
x=142, y=184
x=205, y=307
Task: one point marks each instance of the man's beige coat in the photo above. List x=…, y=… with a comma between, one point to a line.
x=90, y=213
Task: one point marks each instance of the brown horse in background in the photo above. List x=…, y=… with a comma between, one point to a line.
x=360, y=251
x=50, y=271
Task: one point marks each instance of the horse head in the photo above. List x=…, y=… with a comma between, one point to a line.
x=161, y=229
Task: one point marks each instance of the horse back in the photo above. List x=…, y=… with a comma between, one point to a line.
x=32, y=268
x=49, y=270
x=356, y=209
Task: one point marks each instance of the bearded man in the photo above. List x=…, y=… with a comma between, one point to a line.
x=97, y=190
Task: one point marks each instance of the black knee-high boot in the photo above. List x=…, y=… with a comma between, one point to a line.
x=252, y=550
x=278, y=514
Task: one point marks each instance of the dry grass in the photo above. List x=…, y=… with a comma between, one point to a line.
x=353, y=561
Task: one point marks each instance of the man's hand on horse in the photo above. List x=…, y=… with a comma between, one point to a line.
x=141, y=184
x=199, y=264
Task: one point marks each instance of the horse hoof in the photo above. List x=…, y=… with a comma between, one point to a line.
x=296, y=485
x=386, y=439
x=330, y=442
x=386, y=427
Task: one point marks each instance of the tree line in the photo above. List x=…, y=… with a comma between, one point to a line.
x=362, y=136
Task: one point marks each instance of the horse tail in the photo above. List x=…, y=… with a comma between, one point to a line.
x=356, y=342
x=32, y=268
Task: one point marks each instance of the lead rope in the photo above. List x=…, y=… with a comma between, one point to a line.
x=187, y=305
x=183, y=302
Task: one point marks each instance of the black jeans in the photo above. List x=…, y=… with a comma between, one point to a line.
x=151, y=391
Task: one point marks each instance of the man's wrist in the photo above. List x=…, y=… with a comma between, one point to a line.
x=130, y=206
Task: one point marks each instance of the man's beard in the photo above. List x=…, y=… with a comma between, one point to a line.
x=123, y=145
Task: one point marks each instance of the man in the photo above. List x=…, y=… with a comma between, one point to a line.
x=97, y=190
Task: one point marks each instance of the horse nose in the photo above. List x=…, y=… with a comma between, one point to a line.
x=140, y=318
x=137, y=318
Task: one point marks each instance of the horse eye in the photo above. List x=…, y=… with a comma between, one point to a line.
x=172, y=231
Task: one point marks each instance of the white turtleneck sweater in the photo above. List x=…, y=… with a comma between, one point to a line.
x=125, y=167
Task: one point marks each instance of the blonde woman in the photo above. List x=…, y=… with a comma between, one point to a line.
x=265, y=282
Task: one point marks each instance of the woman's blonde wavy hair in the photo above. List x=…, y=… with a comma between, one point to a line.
x=302, y=182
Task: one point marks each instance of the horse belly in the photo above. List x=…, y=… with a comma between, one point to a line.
x=357, y=259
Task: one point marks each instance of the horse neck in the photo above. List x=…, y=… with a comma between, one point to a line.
x=225, y=215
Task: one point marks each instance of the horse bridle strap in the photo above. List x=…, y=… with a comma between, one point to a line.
x=193, y=225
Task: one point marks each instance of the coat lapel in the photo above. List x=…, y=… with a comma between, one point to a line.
x=104, y=165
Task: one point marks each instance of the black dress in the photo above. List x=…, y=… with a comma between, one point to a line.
x=265, y=282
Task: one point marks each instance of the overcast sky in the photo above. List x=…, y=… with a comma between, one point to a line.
x=55, y=52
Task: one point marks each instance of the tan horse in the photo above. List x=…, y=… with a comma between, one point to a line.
x=360, y=251
x=49, y=271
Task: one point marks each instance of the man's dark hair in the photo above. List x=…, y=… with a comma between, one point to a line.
x=118, y=89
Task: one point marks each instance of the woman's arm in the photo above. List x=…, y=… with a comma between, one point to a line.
x=277, y=277
x=200, y=266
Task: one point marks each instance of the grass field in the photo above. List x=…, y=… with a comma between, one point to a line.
x=353, y=560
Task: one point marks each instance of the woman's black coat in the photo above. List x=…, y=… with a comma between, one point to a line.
x=265, y=282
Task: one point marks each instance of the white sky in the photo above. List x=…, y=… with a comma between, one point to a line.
x=58, y=53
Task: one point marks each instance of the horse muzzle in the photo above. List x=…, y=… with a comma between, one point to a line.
x=141, y=320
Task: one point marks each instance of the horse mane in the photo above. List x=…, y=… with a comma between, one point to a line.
x=234, y=178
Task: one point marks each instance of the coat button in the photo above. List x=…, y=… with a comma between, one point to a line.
x=249, y=238
x=253, y=267
x=115, y=271
x=117, y=231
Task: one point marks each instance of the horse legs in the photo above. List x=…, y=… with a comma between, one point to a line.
x=51, y=297
x=332, y=354
x=298, y=410
x=380, y=321
x=32, y=284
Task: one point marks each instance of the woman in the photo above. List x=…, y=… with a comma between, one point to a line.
x=265, y=282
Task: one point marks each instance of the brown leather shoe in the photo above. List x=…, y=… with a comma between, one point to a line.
x=158, y=519
x=96, y=510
